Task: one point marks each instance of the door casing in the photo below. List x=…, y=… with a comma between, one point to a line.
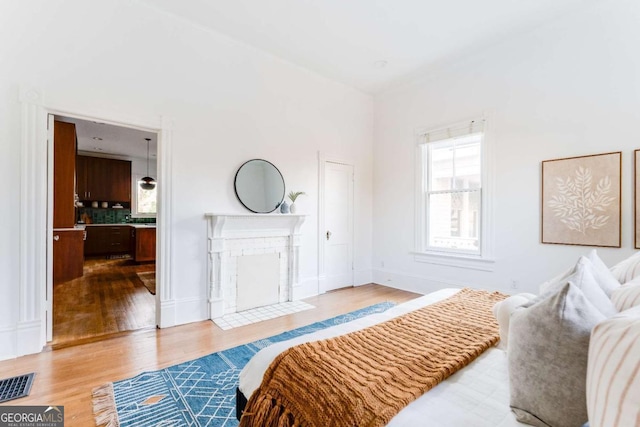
x=36, y=225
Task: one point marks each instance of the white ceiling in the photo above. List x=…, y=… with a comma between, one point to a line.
x=343, y=39
x=115, y=140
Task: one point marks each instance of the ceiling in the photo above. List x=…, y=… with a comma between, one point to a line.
x=367, y=44
x=110, y=140
x=346, y=40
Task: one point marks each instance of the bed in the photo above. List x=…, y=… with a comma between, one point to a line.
x=573, y=355
x=477, y=395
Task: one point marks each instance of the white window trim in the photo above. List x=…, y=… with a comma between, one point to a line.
x=134, y=202
x=485, y=260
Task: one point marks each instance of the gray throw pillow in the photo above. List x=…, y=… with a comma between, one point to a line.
x=547, y=356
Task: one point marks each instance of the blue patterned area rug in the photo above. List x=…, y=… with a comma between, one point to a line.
x=198, y=393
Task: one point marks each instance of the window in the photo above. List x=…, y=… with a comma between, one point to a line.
x=145, y=200
x=451, y=193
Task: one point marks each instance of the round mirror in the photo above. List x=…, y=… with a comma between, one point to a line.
x=259, y=186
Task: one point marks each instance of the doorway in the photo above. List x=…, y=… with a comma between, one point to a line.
x=336, y=225
x=114, y=292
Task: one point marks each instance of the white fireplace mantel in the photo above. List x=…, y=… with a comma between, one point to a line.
x=253, y=231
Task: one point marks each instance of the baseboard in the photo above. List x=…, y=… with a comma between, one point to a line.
x=216, y=308
x=20, y=340
x=30, y=339
x=424, y=285
x=8, y=343
x=307, y=287
x=362, y=277
x=412, y=283
x=188, y=310
x=166, y=315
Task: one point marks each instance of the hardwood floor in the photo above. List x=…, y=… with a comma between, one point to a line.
x=66, y=376
x=109, y=298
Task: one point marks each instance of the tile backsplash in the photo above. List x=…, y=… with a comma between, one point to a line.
x=142, y=220
x=108, y=216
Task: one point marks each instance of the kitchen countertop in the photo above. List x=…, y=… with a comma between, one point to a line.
x=78, y=227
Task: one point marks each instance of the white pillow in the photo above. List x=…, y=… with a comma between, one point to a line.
x=603, y=275
x=627, y=296
x=605, y=278
x=560, y=279
x=613, y=371
x=502, y=311
x=584, y=279
x=627, y=269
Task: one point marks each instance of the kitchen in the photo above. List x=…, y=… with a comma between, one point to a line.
x=104, y=234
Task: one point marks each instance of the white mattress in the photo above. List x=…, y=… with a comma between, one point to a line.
x=477, y=395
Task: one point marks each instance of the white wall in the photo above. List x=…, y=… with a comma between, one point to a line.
x=568, y=89
x=229, y=103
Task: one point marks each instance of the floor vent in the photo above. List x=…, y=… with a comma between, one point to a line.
x=16, y=387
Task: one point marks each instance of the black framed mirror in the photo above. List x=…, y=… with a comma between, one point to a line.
x=259, y=186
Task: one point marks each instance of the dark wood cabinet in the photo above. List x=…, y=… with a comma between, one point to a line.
x=94, y=244
x=64, y=165
x=99, y=179
x=120, y=180
x=81, y=177
x=108, y=240
x=145, y=244
x=68, y=258
x=103, y=180
x=140, y=242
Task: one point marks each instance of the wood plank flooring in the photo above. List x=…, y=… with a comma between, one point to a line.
x=66, y=376
x=109, y=298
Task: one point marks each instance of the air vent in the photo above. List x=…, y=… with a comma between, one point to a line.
x=16, y=387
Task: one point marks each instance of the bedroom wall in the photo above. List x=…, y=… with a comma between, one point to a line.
x=229, y=103
x=570, y=88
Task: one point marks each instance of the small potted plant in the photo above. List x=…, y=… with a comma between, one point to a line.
x=293, y=195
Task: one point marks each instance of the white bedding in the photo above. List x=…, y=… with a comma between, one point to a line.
x=477, y=395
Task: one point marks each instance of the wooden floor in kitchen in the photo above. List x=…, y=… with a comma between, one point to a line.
x=109, y=299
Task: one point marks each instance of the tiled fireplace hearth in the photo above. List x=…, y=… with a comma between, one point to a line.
x=231, y=236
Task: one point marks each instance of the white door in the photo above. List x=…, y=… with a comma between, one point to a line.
x=338, y=226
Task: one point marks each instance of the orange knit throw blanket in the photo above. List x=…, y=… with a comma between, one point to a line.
x=366, y=377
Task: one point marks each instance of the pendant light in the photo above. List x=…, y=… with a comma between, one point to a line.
x=147, y=183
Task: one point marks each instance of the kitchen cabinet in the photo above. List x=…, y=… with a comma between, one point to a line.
x=103, y=180
x=120, y=173
x=81, y=177
x=108, y=240
x=68, y=258
x=145, y=243
x=64, y=165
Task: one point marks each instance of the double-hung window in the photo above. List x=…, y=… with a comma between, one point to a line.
x=144, y=203
x=450, y=191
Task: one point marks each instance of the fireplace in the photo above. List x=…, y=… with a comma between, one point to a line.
x=258, y=281
x=234, y=243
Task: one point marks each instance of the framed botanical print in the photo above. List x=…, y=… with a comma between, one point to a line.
x=581, y=200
